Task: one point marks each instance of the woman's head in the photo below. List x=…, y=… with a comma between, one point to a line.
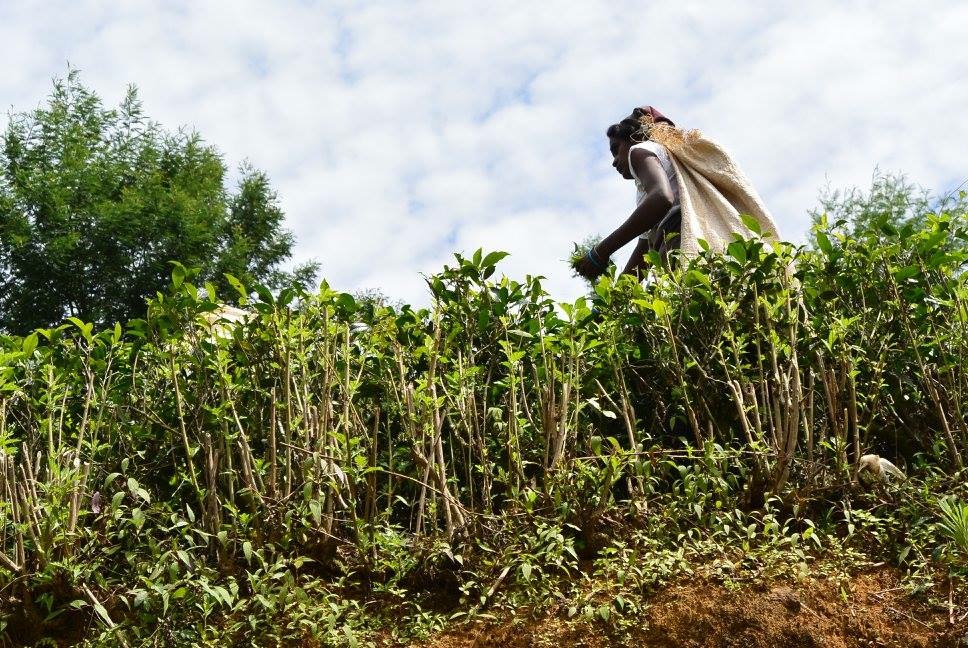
x=631, y=130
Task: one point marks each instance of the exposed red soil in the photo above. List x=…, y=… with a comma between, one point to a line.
x=872, y=611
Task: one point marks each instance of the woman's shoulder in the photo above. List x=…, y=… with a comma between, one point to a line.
x=652, y=147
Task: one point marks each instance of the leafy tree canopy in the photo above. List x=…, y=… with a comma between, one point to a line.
x=892, y=203
x=95, y=203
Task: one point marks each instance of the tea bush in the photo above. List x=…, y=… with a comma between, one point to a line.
x=334, y=467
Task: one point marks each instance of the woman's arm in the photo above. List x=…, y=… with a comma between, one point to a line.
x=637, y=260
x=647, y=215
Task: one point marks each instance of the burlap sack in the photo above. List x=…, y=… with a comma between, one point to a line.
x=713, y=191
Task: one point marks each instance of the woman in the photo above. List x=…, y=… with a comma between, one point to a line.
x=691, y=194
x=657, y=216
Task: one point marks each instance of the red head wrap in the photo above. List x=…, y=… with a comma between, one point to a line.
x=649, y=111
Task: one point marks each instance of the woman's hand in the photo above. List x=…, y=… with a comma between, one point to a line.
x=592, y=265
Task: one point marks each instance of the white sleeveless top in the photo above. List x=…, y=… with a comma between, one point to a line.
x=666, y=162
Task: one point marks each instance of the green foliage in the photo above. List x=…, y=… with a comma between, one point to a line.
x=95, y=203
x=891, y=203
x=331, y=466
x=954, y=523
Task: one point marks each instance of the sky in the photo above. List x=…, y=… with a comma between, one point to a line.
x=398, y=133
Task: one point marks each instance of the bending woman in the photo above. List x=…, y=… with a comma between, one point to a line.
x=657, y=216
x=691, y=193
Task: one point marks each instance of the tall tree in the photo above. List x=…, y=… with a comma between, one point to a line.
x=95, y=203
x=892, y=201
x=255, y=240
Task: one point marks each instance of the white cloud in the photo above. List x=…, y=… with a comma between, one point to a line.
x=398, y=132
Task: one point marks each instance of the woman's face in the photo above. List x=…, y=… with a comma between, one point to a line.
x=620, y=156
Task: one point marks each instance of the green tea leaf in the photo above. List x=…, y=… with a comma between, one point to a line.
x=737, y=250
x=752, y=223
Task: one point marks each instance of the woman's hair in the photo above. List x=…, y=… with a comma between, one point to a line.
x=628, y=130
x=636, y=127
